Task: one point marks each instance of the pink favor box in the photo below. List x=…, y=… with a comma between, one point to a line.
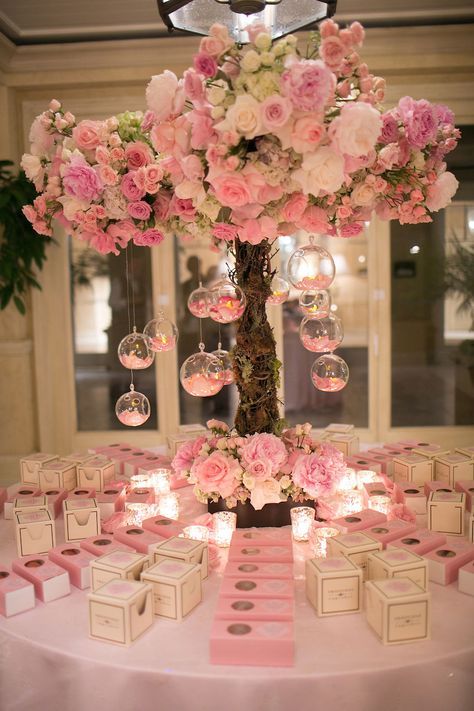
x=105, y=447
x=249, y=643
x=359, y=521
x=375, y=488
x=419, y=541
x=431, y=486
x=76, y=561
x=3, y=497
x=361, y=462
x=390, y=531
x=393, y=448
x=162, y=526
x=262, y=536
x=259, y=570
x=18, y=491
x=102, y=544
x=50, y=580
x=444, y=562
x=119, y=454
x=248, y=608
x=110, y=500
x=412, y=496
x=382, y=457
x=137, y=538
x=466, y=487
x=245, y=587
x=143, y=495
x=466, y=578
x=177, y=482
x=16, y=594
x=55, y=499
x=145, y=463
x=260, y=554
x=81, y=492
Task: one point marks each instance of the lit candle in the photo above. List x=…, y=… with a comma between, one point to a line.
x=301, y=519
x=224, y=525
x=160, y=479
x=196, y=533
x=366, y=476
x=380, y=503
x=139, y=481
x=168, y=505
x=318, y=539
x=137, y=513
x=351, y=501
x=348, y=481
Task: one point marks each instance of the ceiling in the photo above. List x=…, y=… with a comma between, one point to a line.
x=51, y=21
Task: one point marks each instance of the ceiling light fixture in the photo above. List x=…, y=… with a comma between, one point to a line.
x=280, y=16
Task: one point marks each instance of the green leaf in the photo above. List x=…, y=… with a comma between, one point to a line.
x=20, y=305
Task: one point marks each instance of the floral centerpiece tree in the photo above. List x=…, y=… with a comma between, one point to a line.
x=251, y=143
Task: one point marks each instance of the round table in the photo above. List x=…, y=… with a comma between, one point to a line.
x=48, y=662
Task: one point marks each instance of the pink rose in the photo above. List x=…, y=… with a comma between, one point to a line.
x=102, y=155
x=193, y=86
x=419, y=120
x=137, y=154
x=149, y=238
x=88, y=134
x=186, y=455
x=217, y=425
x=255, y=29
x=314, y=219
x=306, y=134
x=122, y=231
x=205, y=64
x=275, y=112
x=161, y=206
x=130, y=189
x=101, y=241
x=309, y=84
x=440, y=193
x=264, y=447
x=213, y=46
x=357, y=32
x=294, y=207
x=352, y=229
x=222, y=230
x=183, y=208
x=216, y=473
x=108, y=175
x=332, y=51
x=80, y=180
x=260, y=469
x=140, y=210
x=231, y=190
x=265, y=492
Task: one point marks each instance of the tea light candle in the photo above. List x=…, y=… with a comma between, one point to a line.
x=366, y=476
x=196, y=533
x=224, y=525
x=380, y=503
x=168, y=505
x=348, y=481
x=318, y=539
x=301, y=519
x=139, y=481
x=160, y=479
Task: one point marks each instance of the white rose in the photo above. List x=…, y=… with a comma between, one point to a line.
x=285, y=482
x=217, y=112
x=265, y=492
x=189, y=189
x=217, y=93
x=243, y=117
x=222, y=443
x=251, y=61
x=363, y=194
x=31, y=165
x=263, y=41
x=160, y=94
x=440, y=193
x=356, y=130
x=248, y=481
x=321, y=171
x=418, y=160
x=211, y=208
x=280, y=48
x=71, y=205
x=267, y=58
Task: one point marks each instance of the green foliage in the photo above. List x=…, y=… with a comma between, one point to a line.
x=459, y=276
x=22, y=250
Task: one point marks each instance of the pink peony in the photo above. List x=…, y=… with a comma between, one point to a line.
x=205, y=64
x=149, y=238
x=130, y=189
x=216, y=473
x=440, y=193
x=231, y=190
x=309, y=84
x=356, y=130
x=186, y=455
x=164, y=95
x=202, y=130
x=101, y=241
x=275, y=112
x=264, y=447
x=312, y=477
x=138, y=154
x=88, y=134
x=140, y=210
x=192, y=168
x=222, y=230
x=314, y=219
x=419, y=120
x=81, y=180
x=42, y=141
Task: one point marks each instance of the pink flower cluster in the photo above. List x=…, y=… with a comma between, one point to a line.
x=251, y=143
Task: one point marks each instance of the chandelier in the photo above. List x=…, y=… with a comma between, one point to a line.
x=280, y=16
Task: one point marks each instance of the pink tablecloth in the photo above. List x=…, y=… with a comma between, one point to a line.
x=48, y=662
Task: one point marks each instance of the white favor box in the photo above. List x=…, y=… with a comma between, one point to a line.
x=333, y=586
x=34, y=532
x=177, y=587
x=471, y=528
x=451, y=468
x=468, y=450
x=95, y=473
x=81, y=519
x=339, y=428
x=23, y=491
x=176, y=440
x=348, y=444
x=355, y=546
x=184, y=549
x=398, y=563
x=30, y=466
x=78, y=458
x=29, y=505
x=466, y=578
x=430, y=450
x=120, y=611
x=398, y=610
x=16, y=594
x=59, y=474
x=117, y=565
x=446, y=512
x=412, y=467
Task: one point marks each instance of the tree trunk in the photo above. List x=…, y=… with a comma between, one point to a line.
x=256, y=366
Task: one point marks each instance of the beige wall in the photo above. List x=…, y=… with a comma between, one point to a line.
x=101, y=78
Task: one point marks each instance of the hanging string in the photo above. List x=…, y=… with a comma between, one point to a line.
x=127, y=280
x=132, y=285
x=201, y=343
x=219, y=342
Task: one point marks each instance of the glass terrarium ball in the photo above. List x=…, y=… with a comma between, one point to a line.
x=311, y=267
x=162, y=334
x=321, y=335
x=330, y=373
x=226, y=302
x=202, y=374
x=225, y=358
x=134, y=351
x=280, y=291
x=197, y=302
x=132, y=408
x=315, y=302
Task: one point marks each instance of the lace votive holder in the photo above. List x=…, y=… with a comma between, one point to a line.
x=160, y=481
x=140, y=481
x=318, y=539
x=137, y=513
x=366, y=476
x=168, y=505
x=351, y=501
x=224, y=525
x=348, y=481
x=380, y=503
x=301, y=519
x=196, y=532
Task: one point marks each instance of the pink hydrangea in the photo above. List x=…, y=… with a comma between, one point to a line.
x=309, y=84
x=264, y=447
x=186, y=454
x=217, y=473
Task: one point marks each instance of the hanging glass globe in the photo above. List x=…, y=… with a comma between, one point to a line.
x=315, y=302
x=311, y=267
x=132, y=408
x=280, y=291
x=134, y=351
x=321, y=335
x=224, y=357
x=202, y=374
x=197, y=302
x=330, y=373
x=226, y=302
x=162, y=334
